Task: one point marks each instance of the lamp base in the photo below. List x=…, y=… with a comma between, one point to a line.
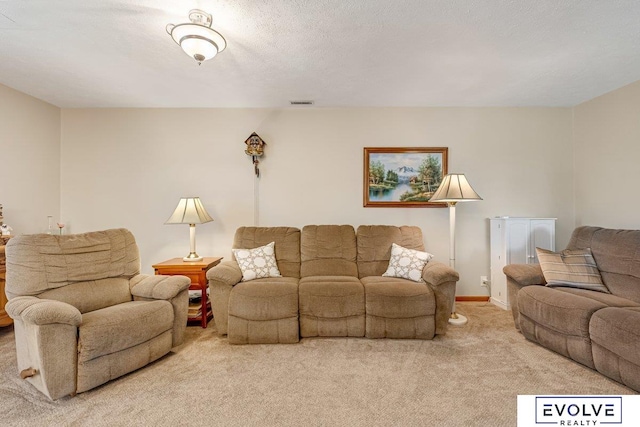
x=192, y=257
x=457, y=319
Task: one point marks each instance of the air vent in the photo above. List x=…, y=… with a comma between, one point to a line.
x=301, y=102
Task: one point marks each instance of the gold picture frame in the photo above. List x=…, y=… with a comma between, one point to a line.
x=403, y=177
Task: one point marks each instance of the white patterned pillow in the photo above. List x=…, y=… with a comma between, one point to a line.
x=407, y=263
x=257, y=263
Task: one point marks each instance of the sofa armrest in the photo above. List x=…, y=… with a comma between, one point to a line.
x=174, y=289
x=36, y=311
x=222, y=278
x=442, y=280
x=436, y=273
x=46, y=343
x=158, y=287
x=525, y=274
x=519, y=276
x=226, y=272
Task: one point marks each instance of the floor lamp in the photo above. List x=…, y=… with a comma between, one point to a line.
x=454, y=188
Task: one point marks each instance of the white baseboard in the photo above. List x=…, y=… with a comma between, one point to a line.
x=500, y=304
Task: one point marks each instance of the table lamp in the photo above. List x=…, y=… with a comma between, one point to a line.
x=190, y=211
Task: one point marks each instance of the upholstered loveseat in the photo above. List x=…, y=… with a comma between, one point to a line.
x=600, y=330
x=83, y=314
x=331, y=284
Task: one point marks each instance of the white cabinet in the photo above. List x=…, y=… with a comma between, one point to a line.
x=514, y=241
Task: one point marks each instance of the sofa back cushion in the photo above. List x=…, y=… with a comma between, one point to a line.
x=41, y=263
x=617, y=255
x=328, y=250
x=374, y=246
x=287, y=245
x=92, y=295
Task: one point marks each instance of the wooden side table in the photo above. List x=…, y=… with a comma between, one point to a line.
x=5, y=320
x=197, y=272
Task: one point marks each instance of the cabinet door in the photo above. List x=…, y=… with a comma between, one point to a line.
x=518, y=241
x=497, y=241
x=498, y=261
x=543, y=235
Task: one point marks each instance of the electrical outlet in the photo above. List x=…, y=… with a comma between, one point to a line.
x=484, y=282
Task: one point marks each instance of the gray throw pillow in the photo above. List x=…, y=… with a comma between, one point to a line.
x=572, y=268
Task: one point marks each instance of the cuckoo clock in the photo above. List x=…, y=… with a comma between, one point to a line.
x=255, y=149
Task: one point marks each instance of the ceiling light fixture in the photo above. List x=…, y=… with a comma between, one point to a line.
x=198, y=39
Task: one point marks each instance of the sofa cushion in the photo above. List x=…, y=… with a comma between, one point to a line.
x=331, y=306
x=277, y=331
x=331, y=296
x=407, y=263
x=93, y=295
x=618, y=257
x=561, y=312
x=38, y=262
x=392, y=297
x=328, y=250
x=287, y=245
x=574, y=268
x=618, y=330
x=92, y=373
x=615, y=334
x=257, y=263
x=265, y=299
x=558, y=320
x=609, y=299
x=121, y=326
x=374, y=246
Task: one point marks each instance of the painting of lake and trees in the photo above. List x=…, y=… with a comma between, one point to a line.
x=400, y=177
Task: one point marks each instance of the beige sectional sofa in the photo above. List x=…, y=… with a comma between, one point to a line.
x=597, y=329
x=331, y=284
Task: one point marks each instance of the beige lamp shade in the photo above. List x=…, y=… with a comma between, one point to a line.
x=454, y=188
x=189, y=211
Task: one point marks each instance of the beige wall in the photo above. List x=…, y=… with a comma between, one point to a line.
x=129, y=167
x=607, y=151
x=29, y=161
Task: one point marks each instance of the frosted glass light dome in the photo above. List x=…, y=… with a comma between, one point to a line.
x=198, y=39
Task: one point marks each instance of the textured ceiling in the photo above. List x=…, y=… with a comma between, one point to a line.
x=109, y=53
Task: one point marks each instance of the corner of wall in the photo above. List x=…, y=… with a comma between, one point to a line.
x=573, y=165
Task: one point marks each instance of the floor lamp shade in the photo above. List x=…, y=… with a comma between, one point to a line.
x=190, y=211
x=454, y=188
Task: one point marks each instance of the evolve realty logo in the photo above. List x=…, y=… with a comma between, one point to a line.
x=578, y=410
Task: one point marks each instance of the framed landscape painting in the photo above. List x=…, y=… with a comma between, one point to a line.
x=403, y=177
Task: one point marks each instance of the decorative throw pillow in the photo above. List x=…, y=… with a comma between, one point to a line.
x=407, y=263
x=572, y=268
x=257, y=263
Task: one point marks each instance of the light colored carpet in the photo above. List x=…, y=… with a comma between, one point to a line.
x=471, y=376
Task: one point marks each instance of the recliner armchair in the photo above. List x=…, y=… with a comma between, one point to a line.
x=84, y=314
